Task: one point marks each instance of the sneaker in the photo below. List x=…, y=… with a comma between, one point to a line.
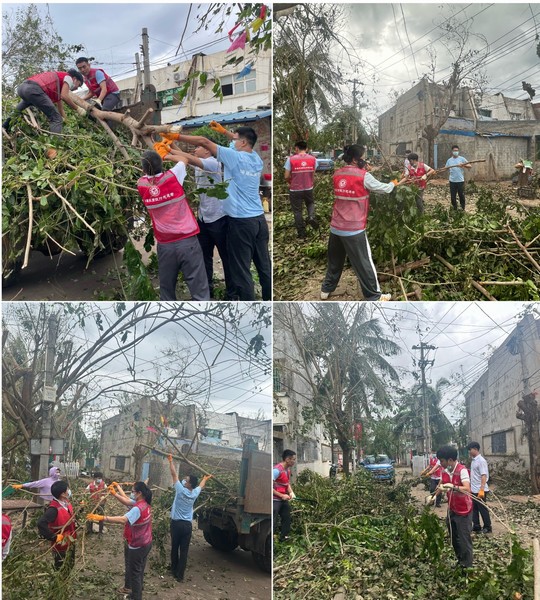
x=325, y=295
x=385, y=298
x=486, y=530
x=313, y=223
x=123, y=590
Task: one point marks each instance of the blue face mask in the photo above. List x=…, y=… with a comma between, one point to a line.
x=132, y=496
x=231, y=145
x=455, y=153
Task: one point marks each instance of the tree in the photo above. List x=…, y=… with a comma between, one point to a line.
x=341, y=350
x=466, y=71
x=30, y=44
x=338, y=132
x=306, y=77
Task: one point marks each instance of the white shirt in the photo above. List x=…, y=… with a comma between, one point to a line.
x=464, y=475
x=479, y=467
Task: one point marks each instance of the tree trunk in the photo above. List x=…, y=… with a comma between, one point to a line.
x=345, y=448
x=530, y=415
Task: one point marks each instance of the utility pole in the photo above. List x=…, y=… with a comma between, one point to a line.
x=146, y=57
x=49, y=397
x=423, y=363
x=355, y=82
x=139, y=78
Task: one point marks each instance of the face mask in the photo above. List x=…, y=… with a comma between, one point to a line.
x=184, y=481
x=132, y=496
x=455, y=153
x=231, y=145
x=98, y=480
x=69, y=493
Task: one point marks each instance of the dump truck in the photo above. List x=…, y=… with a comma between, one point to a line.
x=248, y=521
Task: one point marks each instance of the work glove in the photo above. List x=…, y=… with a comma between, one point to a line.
x=96, y=103
x=170, y=137
x=59, y=538
x=207, y=477
x=80, y=111
x=430, y=499
x=17, y=486
x=481, y=494
x=111, y=489
x=94, y=517
x=169, y=458
x=292, y=495
x=447, y=487
x=162, y=149
x=394, y=181
x=215, y=126
x=424, y=177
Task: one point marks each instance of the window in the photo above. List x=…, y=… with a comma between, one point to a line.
x=227, y=85
x=498, y=443
x=515, y=116
x=484, y=112
x=278, y=379
x=246, y=84
x=214, y=433
x=119, y=463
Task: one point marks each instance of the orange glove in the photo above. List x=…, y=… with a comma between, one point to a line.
x=481, y=494
x=17, y=486
x=170, y=137
x=207, y=477
x=215, y=126
x=111, y=489
x=394, y=181
x=59, y=538
x=94, y=517
x=162, y=149
x=169, y=458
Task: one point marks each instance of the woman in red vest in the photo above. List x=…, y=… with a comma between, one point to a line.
x=457, y=484
x=137, y=533
x=98, y=497
x=58, y=525
x=352, y=185
x=44, y=91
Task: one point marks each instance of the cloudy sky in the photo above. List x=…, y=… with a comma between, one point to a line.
x=111, y=33
x=390, y=43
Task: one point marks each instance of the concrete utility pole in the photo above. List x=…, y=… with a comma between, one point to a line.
x=423, y=363
x=146, y=57
x=139, y=78
x=49, y=398
x=355, y=82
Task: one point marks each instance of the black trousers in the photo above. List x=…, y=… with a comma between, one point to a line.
x=135, y=559
x=457, y=188
x=247, y=240
x=297, y=199
x=214, y=235
x=180, y=539
x=32, y=95
x=99, y=510
x=460, y=527
x=282, y=508
x=479, y=510
x=433, y=483
x=356, y=247
x=64, y=559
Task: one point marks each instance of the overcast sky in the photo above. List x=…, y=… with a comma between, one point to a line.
x=111, y=33
x=392, y=42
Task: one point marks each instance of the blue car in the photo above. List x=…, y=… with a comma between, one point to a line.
x=380, y=467
x=324, y=163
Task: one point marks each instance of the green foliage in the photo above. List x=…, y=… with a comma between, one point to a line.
x=138, y=280
x=370, y=541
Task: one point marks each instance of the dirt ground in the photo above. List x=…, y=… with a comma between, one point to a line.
x=210, y=574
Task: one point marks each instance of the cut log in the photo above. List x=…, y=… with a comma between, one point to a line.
x=400, y=269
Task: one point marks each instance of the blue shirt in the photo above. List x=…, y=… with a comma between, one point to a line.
x=182, y=508
x=100, y=78
x=133, y=515
x=456, y=174
x=210, y=208
x=243, y=174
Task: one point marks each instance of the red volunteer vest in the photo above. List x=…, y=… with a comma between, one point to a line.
x=95, y=489
x=64, y=524
x=302, y=172
x=6, y=529
x=51, y=83
x=351, y=203
x=94, y=86
x=436, y=474
x=459, y=503
x=417, y=173
x=140, y=533
x=166, y=202
x=282, y=482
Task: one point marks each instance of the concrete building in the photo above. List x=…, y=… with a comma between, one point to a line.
x=127, y=438
x=498, y=129
x=491, y=403
x=291, y=395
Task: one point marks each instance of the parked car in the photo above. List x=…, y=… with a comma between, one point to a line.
x=324, y=163
x=379, y=466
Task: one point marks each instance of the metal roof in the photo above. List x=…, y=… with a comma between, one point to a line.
x=242, y=116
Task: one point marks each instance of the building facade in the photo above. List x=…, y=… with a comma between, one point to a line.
x=491, y=403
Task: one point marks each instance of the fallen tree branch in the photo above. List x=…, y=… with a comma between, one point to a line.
x=503, y=283
x=71, y=207
x=525, y=251
x=30, y=225
x=475, y=284
x=115, y=140
x=400, y=269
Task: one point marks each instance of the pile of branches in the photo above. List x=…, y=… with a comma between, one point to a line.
x=490, y=253
x=363, y=539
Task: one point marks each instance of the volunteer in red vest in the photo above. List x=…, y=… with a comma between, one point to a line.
x=300, y=173
x=137, y=534
x=58, y=525
x=100, y=86
x=352, y=185
x=434, y=473
x=283, y=492
x=175, y=227
x=98, y=495
x=457, y=484
x=418, y=173
x=7, y=532
x=44, y=91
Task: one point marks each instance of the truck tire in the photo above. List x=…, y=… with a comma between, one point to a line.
x=221, y=539
x=264, y=561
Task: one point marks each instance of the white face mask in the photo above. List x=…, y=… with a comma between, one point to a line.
x=69, y=493
x=184, y=481
x=98, y=480
x=455, y=153
x=132, y=496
